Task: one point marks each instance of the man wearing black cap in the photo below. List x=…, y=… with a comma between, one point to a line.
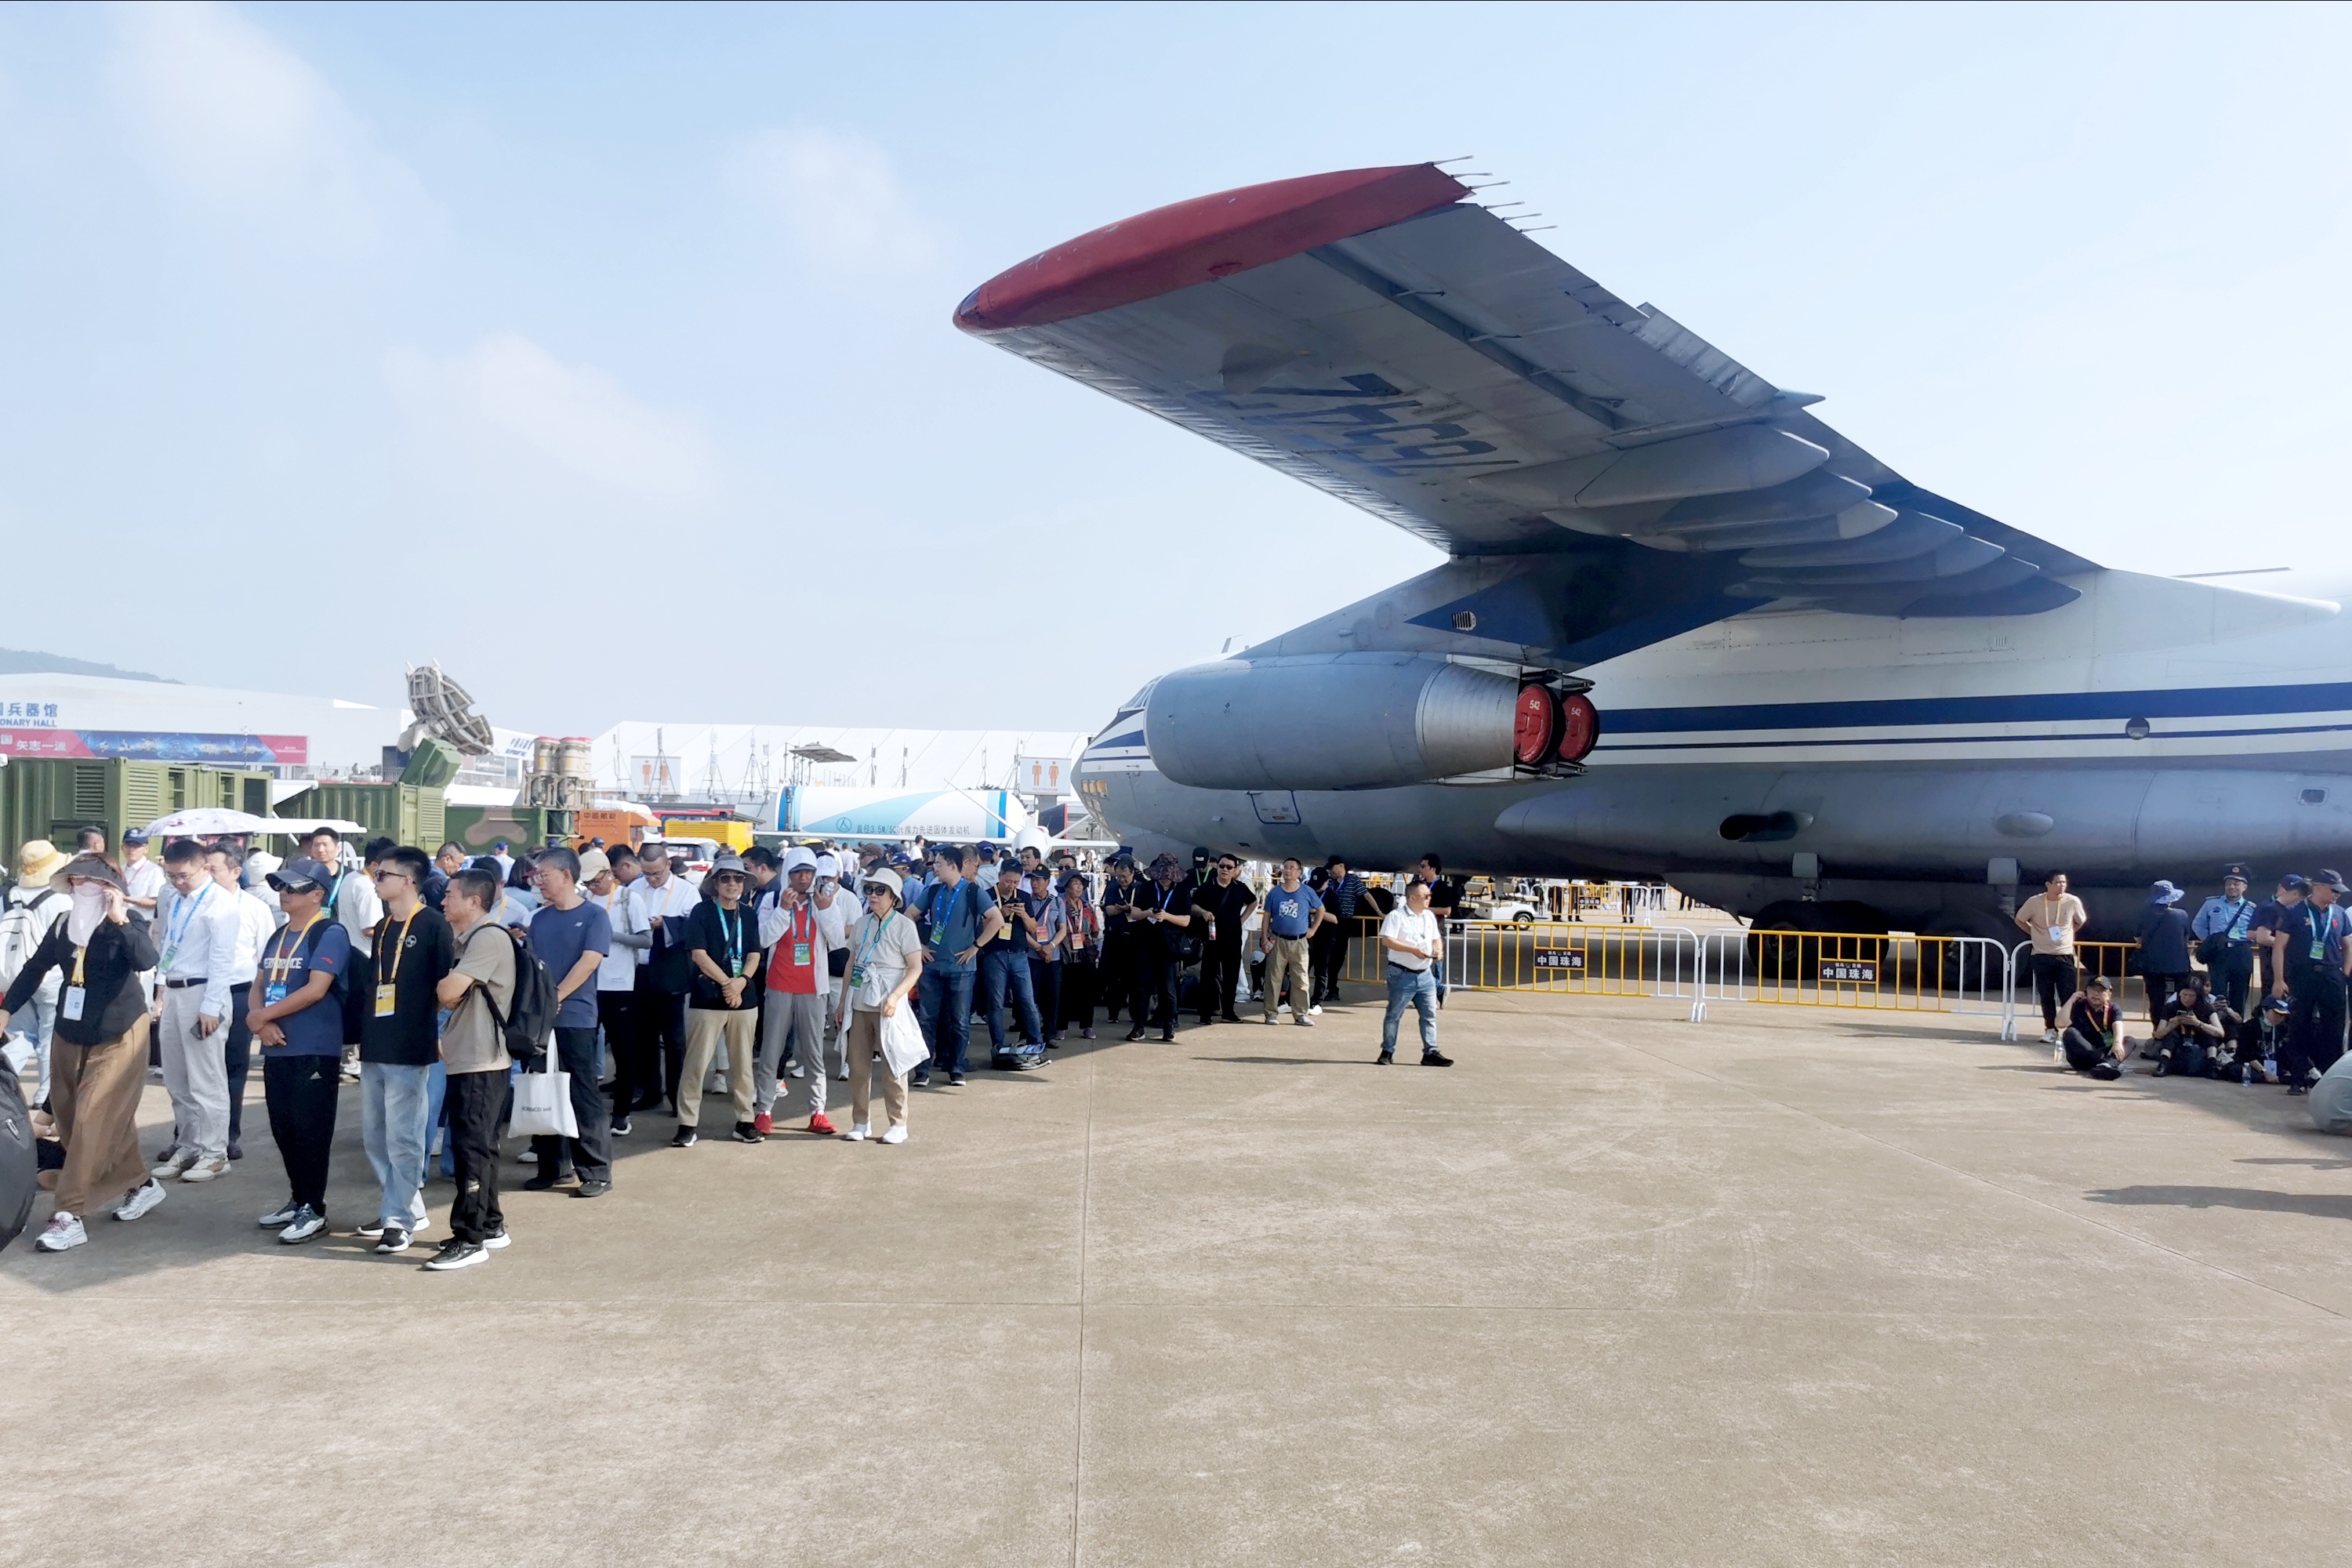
x=295, y=1012
x=2225, y=944
x=2269, y=931
x=2312, y=942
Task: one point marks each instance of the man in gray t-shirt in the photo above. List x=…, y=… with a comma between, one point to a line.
x=479, y=991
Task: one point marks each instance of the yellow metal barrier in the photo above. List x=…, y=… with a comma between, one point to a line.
x=1560, y=956
x=1856, y=969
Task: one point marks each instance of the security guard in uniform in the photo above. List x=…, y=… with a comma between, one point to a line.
x=2224, y=932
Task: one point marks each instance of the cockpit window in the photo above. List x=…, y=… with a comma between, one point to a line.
x=1127, y=709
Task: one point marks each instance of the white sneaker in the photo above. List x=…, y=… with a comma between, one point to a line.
x=172, y=1164
x=141, y=1199
x=2049, y=1036
x=64, y=1231
x=210, y=1170
x=528, y=1157
x=796, y=1070
x=842, y=1077
x=1283, y=1007
x=1316, y=1011
x=894, y=1135
x=858, y=1133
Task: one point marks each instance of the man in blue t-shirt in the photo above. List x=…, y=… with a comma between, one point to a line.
x=571, y=935
x=1292, y=912
x=296, y=1015
x=958, y=920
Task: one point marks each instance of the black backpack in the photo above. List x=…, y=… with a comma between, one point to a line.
x=529, y=1027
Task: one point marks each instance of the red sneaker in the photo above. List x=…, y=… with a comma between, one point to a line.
x=817, y=1123
x=761, y=1125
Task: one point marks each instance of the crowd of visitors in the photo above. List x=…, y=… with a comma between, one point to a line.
x=442, y=986
x=2251, y=993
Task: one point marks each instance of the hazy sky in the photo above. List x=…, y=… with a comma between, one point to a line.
x=603, y=354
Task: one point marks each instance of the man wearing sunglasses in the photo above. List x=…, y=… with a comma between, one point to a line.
x=1226, y=901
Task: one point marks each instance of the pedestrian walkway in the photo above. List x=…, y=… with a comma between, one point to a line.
x=1780, y=1288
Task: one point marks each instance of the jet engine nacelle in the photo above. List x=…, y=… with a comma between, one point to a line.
x=1347, y=720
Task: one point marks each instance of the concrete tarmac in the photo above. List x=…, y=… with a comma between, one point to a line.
x=1787, y=1287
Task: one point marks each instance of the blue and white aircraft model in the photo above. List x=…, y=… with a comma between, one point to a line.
x=1685, y=630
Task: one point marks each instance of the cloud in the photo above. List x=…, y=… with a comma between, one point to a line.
x=231, y=119
x=514, y=414
x=838, y=195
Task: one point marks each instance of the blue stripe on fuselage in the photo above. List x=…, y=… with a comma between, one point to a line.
x=2200, y=702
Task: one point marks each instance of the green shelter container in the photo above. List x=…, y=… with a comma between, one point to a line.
x=480, y=827
x=404, y=813
x=52, y=798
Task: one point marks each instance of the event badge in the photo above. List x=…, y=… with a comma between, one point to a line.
x=801, y=955
x=70, y=1005
x=739, y=967
x=164, y=963
x=383, y=1001
x=274, y=994
x=857, y=978
x=2057, y=936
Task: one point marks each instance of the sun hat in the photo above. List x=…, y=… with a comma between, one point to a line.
x=37, y=862
x=92, y=866
x=727, y=861
x=883, y=876
x=2164, y=894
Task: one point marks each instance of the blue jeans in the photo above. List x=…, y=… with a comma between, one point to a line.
x=1419, y=987
x=1003, y=969
x=392, y=1126
x=943, y=1001
x=436, y=1095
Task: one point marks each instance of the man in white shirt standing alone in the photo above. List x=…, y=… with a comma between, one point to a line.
x=197, y=921
x=1412, y=942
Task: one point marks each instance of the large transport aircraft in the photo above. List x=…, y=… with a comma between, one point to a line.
x=1686, y=629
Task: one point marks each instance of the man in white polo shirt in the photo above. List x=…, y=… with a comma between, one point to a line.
x=1412, y=940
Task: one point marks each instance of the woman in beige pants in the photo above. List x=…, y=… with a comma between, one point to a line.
x=885, y=958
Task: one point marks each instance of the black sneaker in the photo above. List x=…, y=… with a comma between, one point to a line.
x=923, y=1080
x=456, y=1254
x=1386, y=1059
x=395, y=1239
x=955, y=1080
x=236, y=1151
x=621, y=1128
x=544, y=1182
x=2296, y=1088
x=684, y=1140
x=592, y=1189
x=498, y=1239
x=1436, y=1059
x=1226, y=1018
x=746, y=1134
x=1136, y=1033
x=1167, y=1035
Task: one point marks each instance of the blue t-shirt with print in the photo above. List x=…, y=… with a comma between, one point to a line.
x=317, y=1031
x=1287, y=915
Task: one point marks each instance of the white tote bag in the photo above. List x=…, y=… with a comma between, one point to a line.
x=902, y=1039
x=543, y=1102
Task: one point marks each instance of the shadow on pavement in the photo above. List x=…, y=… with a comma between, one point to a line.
x=2319, y=1206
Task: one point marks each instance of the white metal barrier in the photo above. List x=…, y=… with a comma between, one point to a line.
x=1958, y=974
x=1574, y=958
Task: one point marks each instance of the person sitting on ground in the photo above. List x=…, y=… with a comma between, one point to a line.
x=2331, y=1098
x=2190, y=1026
x=2090, y=1044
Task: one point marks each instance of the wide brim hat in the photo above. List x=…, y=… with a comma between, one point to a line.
x=38, y=860
x=727, y=861
x=883, y=876
x=92, y=867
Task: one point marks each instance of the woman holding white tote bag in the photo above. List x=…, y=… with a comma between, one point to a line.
x=885, y=957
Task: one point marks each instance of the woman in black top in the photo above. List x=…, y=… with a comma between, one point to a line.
x=98, y=1058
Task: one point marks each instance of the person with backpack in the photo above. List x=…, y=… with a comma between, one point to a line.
x=101, y=1046
x=32, y=906
x=411, y=950
x=479, y=992
x=571, y=935
x=295, y=1014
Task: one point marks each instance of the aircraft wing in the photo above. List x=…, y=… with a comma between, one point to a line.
x=1379, y=335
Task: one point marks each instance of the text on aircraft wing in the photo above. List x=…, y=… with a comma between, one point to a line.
x=1378, y=335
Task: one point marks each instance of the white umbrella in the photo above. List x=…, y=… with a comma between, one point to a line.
x=207, y=819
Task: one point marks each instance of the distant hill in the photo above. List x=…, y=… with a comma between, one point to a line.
x=15, y=661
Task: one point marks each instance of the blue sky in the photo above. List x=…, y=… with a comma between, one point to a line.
x=603, y=354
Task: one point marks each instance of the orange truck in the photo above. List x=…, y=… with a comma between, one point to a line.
x=614, y=826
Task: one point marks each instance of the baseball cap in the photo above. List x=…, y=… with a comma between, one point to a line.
x=593, y=864
x=2332, y=880
x=299, y=875
x=2293, y=880
x=134, y=836
x=828, y=864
